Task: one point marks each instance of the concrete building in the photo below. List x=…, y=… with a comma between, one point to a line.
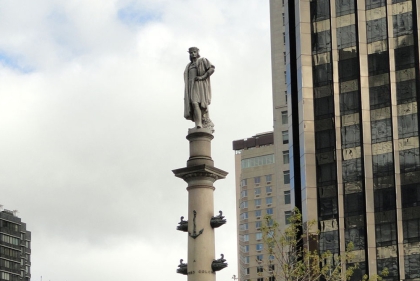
x=353, y=90
x=15, y=248
x=259, y=192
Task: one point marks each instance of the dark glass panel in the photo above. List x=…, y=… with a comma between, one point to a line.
x=376, y=30
x=384, y=182
x=372, y=4
x=406, y=91
x=379, y=96
x=350, y=136
x=325, y=140
x=352, y=170
x=411, y=265
x=328, y=208
x=384, y=199
x=328, y=241
x=411, y=230
x=326, y=174
x=354, y=204
x=356, y=236
x=403, y=24
x=346, y=36
x=409, y=160
x=323, y=91
x=378, y=63
x=344, y=7
x=348, y=69
x=404, y=58
x=381, y=130
x=383, y=164
x=349, y=103
x=392, y=265
x=386, y=234
x=359, y=272
x=321, y=42
x=407, y=126
x=322, y=74
x=410, y=195
x=320, y=10
x=324, y=107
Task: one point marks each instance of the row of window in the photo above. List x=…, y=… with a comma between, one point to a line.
x=9, y=239
x=258, y=247
x=9, y=252
x=257, y=191
x=258, y=214
x=257, y=161
x=8, y=276
x=257, y=202
x=258, y=258
x=245, y=237
x=257, y=180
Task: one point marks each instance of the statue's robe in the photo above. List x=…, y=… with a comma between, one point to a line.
x=197, y=91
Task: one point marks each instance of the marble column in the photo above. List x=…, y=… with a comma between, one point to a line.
x=200, y=174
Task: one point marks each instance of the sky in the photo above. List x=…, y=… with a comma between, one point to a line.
x=91, y=127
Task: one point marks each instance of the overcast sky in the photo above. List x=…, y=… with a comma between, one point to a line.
x=91, y=126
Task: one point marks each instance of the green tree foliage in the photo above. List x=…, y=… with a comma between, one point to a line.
x=291, y=258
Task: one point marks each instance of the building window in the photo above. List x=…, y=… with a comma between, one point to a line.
x=247, y=271
x=285, y=77
x=268, y=178
x=260, y=257
x=244, y=216
x=257, y=190
x=257, y=161
x=286, y=177
x=284, y=59
x=269, y=200
x=260, y=269
x=287, y=216
x=284, y=38
x=257, y=202
x=286, y=157
x=268, y=189
x=259, y=247
x=258, y=224
x=246, y=260
x=257, y=180
x=284, y=118
x=258, y=213
x=258, y=236
x=244, y=193
x=244, y=205
x=287, y=197
x=269, y=211
x=285, y=96
x=246, y=249
x=285, y=135
x=243, y=182
x=243, y=227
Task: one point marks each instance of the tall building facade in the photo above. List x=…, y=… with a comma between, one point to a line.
x=352, y=92
x=259, y=192
x=15, y=248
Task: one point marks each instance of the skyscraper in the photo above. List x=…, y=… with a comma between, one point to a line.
x=353, y=89
x=259, y=192
x=15, y=248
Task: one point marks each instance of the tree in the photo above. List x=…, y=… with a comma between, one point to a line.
x=291, y=258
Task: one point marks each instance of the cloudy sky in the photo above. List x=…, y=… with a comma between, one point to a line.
x=91, y=125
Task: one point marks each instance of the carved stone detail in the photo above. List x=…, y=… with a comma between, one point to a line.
x=182, y=268
x=219, y=264
x=217, y=221
x=183, y=225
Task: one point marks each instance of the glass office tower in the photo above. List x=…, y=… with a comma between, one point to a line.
x=353, y=87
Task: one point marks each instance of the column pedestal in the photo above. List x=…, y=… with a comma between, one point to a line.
x=200, y=174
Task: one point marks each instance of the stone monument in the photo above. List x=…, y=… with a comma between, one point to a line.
x=200, y=174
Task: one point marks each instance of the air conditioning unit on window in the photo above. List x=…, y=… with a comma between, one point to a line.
x=268, y=205
x=257, y=195
x=257, y=206
x=269, y=193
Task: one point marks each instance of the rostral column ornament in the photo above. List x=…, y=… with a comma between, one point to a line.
x=195, y=234
x=197, y=96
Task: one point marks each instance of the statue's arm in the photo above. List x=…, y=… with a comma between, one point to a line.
x=208, y=73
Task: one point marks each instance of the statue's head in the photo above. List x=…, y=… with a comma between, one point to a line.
x=194, y=53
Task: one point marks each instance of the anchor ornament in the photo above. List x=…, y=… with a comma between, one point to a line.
x=195, y=234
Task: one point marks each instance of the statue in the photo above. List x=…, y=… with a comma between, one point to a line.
x=182, y=267
x=183, y=225
x=197, y=96
x=219, y=264
x=218, y=220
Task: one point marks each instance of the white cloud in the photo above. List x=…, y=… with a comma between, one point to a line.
x=90, y=136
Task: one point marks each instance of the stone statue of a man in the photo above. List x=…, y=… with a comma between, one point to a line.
x=197, y=89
